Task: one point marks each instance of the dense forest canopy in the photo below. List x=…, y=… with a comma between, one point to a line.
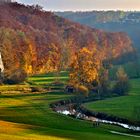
x=35, y=40
x=114, y=21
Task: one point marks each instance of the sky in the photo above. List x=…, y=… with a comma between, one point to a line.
x=85, y=5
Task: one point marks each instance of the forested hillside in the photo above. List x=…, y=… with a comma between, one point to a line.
x=38, y=41
x=113, y=21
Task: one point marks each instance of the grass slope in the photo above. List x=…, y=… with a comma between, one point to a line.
x=49, y=78
x=120, y=106
x=28, y=116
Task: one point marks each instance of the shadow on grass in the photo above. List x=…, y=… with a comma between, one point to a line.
x=62, y=74
x=22, y=95
x=49, y=80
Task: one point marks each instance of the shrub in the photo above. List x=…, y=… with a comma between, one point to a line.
x=37, y=89
x=82, y=90
x=104, y=84
x=17, y=76
x=1, y=81
x=122, y=85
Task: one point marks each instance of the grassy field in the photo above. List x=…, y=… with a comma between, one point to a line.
x=121, y=106
x=29, y=117
x=51, y=77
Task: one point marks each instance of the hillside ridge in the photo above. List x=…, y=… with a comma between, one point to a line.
x=37, y=39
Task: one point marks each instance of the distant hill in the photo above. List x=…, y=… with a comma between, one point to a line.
x=114, y=21
x=35, y=40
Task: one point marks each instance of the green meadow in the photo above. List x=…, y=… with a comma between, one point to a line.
x=29, y=117
x=121, y=106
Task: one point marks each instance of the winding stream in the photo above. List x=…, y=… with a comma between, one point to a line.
x=79, y=115
x=74, y=110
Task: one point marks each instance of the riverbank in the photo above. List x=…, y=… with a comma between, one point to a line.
x=72, y=108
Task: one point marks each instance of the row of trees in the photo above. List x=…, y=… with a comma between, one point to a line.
x=87, y=70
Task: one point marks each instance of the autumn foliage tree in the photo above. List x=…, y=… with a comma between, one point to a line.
x=66, y=54
x=18, y=55
x=84, y=68
x=53, y=59
x=122, y=85
x=29, y=59
x=103, y=87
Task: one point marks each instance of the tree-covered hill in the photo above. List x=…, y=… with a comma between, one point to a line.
x=38, y=41
x=114, y=21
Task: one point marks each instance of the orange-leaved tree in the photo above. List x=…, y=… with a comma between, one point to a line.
x=85, y=68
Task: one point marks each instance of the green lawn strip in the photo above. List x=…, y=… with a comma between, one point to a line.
x=120, y=106
x=12, y=87
x=49, y=78
x=36, y=112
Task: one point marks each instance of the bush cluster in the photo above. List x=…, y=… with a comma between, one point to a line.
x=16, y=77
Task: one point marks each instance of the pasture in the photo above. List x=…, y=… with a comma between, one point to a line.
x=29, y=117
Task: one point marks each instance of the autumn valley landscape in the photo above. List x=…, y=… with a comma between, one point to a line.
x=68, y=75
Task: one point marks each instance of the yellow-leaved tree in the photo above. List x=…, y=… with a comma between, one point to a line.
x=85, y=68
